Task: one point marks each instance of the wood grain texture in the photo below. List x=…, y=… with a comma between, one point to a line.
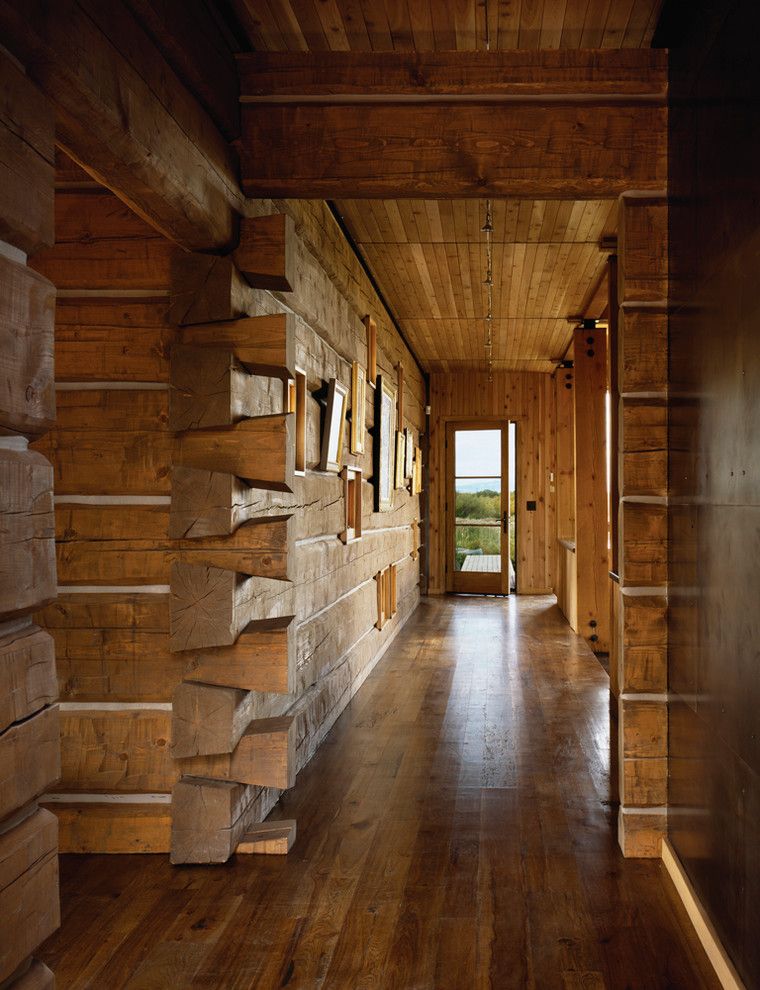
x=266, y=253
x=419, y=853
x=209, y=818
x=426, y=26
x=27, y=561
x=116, y=751
x=261, y=659
x=30, y=759
x=101, y=244
x=429, y=256
x=269, y=839
x=27, y=674
x=130, y=545
x=122, y=113
x=522, y=73
x=713, y=376
x=265, y=755
x=208, y=719
x=27, y=394
x=100, y=339
x=511, y=150
x=28, y=888
x=265, y=345
x=259, y=450
x=591, y=512
x=112, y=828
x=26, y=162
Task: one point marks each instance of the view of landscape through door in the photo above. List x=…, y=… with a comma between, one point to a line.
x=478, y=516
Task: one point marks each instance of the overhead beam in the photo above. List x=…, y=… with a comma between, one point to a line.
x=544, y=124
x=126, y=118
x=527, y=151
x=367, y=76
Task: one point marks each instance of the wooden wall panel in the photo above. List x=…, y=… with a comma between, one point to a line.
x=528, y=399
x=713, y=622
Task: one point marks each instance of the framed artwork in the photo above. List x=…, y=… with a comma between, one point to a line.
x=417, y=472
x=409, y=453
x=400, y=455
x=383, y=444
x=332, y=433
x=352, y=496
x=358, y=407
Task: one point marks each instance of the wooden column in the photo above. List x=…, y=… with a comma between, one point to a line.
x=591, y=523
x=641, y=627
x=29, y=736
x=224, y=751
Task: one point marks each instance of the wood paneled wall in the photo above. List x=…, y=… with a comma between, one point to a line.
x=528, y=399
x=116, y=454
x=713, y=621
x=29, y=744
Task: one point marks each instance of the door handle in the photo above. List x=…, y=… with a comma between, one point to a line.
x=504, y=523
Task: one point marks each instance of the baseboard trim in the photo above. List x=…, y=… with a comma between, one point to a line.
x=724, y=969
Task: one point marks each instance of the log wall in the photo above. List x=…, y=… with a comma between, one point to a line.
x=169, y=496
x=528, y=399
x=640, y=595
x=29, y=744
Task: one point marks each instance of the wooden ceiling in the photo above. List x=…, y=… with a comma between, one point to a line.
x=446, y=25
x=428, y=256
x=429, y=259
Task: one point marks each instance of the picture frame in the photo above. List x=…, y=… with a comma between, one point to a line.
x=352, y=497
x=400, y=457
x=417, y=472
x=334, y=427
x=358, y=407
x=383, y=444
x=409, y=453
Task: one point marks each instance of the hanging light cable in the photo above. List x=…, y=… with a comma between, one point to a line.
x=487, y=229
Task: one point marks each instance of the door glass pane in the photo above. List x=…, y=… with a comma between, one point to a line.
x=477, y=487
x=477, y=453
x=478, y=548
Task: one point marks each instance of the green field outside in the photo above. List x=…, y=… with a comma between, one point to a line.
x=484, y=506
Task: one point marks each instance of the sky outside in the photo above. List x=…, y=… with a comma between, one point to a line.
x=478, y=454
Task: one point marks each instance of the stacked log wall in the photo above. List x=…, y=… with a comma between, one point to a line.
x=29, y=744
x=137, y=519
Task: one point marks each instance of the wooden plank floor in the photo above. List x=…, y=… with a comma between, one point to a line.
x=454, y=831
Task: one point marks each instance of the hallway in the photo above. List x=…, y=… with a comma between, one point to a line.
x=454, y=831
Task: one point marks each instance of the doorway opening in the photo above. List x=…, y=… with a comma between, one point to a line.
x=480, y=507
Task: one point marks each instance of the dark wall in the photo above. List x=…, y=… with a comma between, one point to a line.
x=714, y=623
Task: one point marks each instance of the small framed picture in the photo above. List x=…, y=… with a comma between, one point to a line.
x=358, y=407
x=383, y=444
x=332, y=433
x=409, y=453
x=417, y=472
x=400, y=456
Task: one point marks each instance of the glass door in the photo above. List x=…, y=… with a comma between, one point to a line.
x=477, y=508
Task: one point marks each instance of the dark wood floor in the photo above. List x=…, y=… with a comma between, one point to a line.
x=454, y=831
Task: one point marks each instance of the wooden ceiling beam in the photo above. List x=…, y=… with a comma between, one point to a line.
x=126, y=118
x=444, y=151
x=521, y=124
x=370, y=76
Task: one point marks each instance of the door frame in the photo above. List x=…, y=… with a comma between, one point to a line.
x=474, y=583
